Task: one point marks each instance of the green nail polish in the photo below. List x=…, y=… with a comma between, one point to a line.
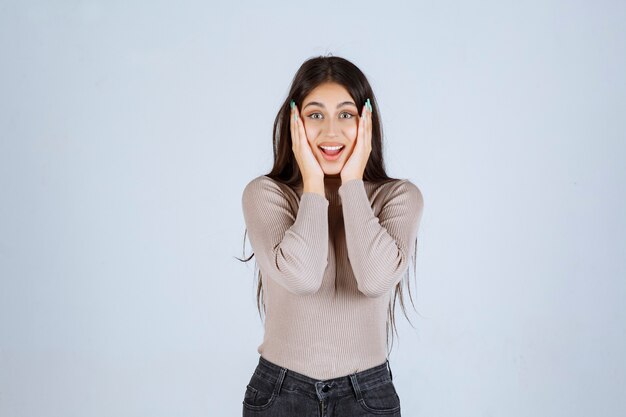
x=295, y=117
x=369, y=105
x=292, y=104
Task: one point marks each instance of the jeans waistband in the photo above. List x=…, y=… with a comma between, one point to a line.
x=294, y=381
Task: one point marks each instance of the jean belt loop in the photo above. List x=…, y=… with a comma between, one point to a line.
x=389, y=368
x=355, y=387
x=279, y=382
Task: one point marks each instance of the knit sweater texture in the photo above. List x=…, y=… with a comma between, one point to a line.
x=329, y=265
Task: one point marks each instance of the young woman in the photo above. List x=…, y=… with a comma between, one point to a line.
x=333, y=236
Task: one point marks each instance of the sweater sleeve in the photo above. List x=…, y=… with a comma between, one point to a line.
x=290, y=248
x=379, y=248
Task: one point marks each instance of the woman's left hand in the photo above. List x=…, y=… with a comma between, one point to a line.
x=355, y=165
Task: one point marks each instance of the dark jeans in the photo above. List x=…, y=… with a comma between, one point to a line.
x=279, y=392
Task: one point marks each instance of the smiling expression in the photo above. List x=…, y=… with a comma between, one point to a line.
x=330, y=118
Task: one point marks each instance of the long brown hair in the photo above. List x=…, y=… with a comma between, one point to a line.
x=312, y=73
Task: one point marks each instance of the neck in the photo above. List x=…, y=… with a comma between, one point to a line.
x=332, y=179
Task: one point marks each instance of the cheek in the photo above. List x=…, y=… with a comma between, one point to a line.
x=350, y=131
x=311, y=130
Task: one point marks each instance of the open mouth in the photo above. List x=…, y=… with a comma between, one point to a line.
x=331, y=153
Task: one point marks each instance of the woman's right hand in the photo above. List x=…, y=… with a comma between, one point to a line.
x=309, y=167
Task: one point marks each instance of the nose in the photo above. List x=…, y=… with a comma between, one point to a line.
x=331, y=128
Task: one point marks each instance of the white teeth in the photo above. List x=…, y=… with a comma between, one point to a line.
x=331, y=148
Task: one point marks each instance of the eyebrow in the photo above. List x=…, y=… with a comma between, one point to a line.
x=315, y=103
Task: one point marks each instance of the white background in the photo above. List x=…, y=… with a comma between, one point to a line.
x=129, y=129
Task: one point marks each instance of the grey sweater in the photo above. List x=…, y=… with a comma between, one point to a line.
x=329, y=265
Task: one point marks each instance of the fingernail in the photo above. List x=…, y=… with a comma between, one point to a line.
x=292, y=104
x=295, y=117
x=369, y=105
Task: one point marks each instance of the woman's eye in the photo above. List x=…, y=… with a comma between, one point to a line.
x=341, y=116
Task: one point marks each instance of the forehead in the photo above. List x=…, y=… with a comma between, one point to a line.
x=329, y=92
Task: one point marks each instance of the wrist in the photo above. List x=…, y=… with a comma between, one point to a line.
x=350, y=178
x=314, y=185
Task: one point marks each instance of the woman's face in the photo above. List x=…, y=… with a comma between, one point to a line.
x=330, y=118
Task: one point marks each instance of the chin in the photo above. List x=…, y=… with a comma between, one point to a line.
x=334, y=171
